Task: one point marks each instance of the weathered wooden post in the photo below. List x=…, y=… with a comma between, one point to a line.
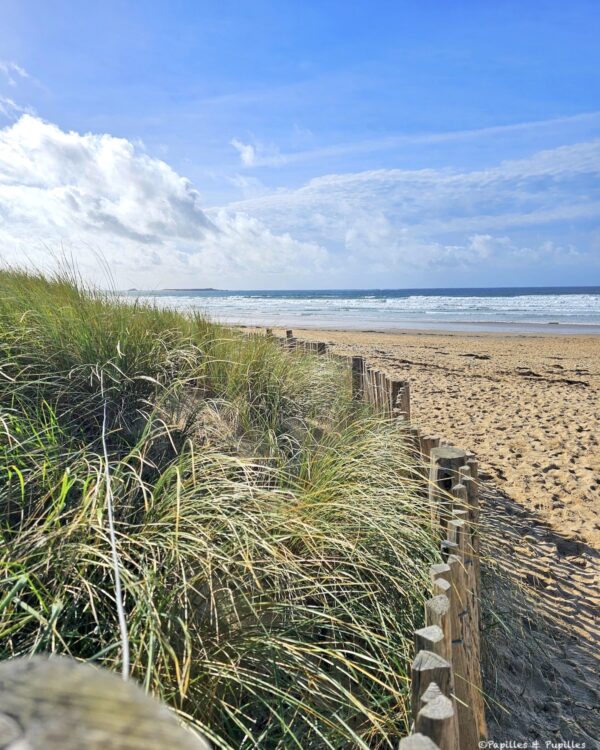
x=406, y=399
x=445, y=461
x=437, y=613
x=428, y=443
x=358, y=374
x=415, y=434
x=436, y=721
x=431, y=638
x=469, y=548
x=368, y=384
x=400, y=399
x=417, y=742
x=59, y=704
x=395, y=388
x=465, y=653
x=428, y=667
x=379, y=392
x=468, y=477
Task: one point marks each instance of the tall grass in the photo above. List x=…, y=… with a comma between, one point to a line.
x=271, y=542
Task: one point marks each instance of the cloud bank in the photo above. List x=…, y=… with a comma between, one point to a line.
x=97, y=194
x=538, y=213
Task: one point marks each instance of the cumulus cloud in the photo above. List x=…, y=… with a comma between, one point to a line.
x=100, y=194
x=95, y=194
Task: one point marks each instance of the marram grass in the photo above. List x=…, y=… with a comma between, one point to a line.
x=272, y=546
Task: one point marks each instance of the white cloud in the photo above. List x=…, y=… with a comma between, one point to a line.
x=11, y=110
x=273, y=157
x=527, y=209
x=257, y=154
x=11, y=71
x=246, y=151
x=100, y=194
x=97, y=194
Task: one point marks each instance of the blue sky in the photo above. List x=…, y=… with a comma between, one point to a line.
x=303, y=144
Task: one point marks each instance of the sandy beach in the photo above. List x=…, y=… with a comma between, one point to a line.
x=527, y=405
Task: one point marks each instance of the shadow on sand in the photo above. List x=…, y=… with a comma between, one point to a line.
x=541, y=628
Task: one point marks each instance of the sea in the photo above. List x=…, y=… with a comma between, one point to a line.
x=524, y=309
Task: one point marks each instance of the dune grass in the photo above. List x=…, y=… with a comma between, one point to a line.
x=272, y=546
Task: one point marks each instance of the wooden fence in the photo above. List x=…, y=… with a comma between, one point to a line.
x=447, y=703
x=58, y=703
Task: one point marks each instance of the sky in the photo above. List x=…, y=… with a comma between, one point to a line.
x=287, y=145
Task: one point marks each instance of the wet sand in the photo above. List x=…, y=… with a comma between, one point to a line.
x=528, y=407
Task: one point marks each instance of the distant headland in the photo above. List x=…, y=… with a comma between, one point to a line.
x=193, y=289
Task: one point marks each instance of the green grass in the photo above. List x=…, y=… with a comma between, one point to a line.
x=272, y=544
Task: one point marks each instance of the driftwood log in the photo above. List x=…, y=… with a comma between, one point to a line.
x=59, y=704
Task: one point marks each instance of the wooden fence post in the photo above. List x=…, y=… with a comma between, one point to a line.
x=465, y=656
x=431, y=638
x=429, y=442
x=415, y=434
x=473, y=590
x=406, y=399
x=445, y=461
x=428, y=667
x=358, y=378
x=436, y=721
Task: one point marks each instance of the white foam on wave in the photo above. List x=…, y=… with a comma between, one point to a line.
x=577, y=309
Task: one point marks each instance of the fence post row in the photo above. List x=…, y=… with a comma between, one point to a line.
x=452, y=613
x=446, y=694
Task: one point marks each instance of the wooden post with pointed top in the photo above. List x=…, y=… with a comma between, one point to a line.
x=465, y=656
x=428, y=667
x=445, y=461
x=436, y=721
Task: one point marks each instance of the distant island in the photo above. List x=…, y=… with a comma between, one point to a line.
x=193, y=289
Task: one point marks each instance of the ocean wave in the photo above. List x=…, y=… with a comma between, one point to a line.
x=385, y=308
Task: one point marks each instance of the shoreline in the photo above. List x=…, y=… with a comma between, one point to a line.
x=553, y=311
x=557, y=331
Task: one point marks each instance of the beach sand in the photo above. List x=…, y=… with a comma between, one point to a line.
x=528, y=406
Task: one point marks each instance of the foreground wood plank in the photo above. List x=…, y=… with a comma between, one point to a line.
x=60, y=704
x=417, y=742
